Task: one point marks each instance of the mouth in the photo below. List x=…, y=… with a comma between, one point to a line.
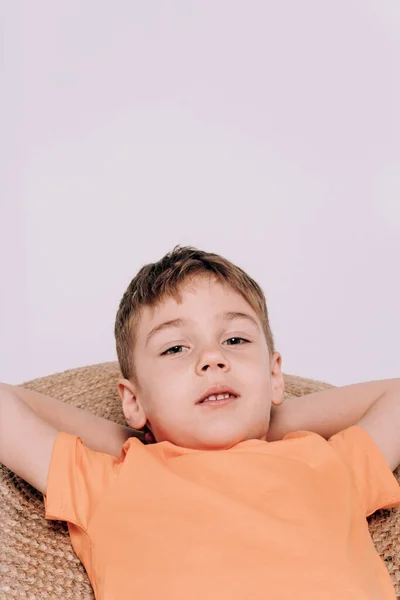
x=218, y=396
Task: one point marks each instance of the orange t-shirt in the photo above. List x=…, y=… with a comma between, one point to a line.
x=277, y=520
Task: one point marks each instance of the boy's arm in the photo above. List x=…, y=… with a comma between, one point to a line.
x=382, y=422
x=330, y=411
x=26, y=441
x=96, y=433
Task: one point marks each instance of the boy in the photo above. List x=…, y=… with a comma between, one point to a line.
x=241, y=495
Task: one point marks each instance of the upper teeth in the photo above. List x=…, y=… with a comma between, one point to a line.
x=219, y=397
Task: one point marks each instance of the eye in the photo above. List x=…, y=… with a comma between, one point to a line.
x=237, y=341
x=173, y=350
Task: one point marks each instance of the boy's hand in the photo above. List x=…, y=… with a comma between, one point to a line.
x=26, y=440
x=382, y=422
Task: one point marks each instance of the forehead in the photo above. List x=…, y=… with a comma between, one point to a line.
x=199, y=297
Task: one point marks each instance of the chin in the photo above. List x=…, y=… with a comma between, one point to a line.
x=219, y=437
x=219, y=441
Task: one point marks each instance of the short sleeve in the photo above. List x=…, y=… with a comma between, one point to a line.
x=78, y=476
x=375, y=483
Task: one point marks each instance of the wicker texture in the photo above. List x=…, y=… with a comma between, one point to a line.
x=37, y=560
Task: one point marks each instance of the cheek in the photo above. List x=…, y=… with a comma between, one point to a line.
x=163, y=396
x=262, y=380
x=258, y=364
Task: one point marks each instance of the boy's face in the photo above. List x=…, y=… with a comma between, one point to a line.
x=209, y=346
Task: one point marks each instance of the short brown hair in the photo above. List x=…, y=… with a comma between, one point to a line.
x=156, y=281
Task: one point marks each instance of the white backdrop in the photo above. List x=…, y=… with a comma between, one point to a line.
x=265, y=131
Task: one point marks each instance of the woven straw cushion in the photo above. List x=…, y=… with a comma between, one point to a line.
x=37, y=560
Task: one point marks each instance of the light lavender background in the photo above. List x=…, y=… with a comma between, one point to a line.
x=266, y=131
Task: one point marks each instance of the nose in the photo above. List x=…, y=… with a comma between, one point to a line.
x=212, y=359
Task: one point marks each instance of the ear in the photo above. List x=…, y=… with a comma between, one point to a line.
x=131, y=405
x=277, y=381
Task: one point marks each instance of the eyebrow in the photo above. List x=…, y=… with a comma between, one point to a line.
x=233, y=315
x=166, y=325
x=226, y=316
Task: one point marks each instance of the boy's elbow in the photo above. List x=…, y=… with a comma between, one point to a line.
x=26, y=441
